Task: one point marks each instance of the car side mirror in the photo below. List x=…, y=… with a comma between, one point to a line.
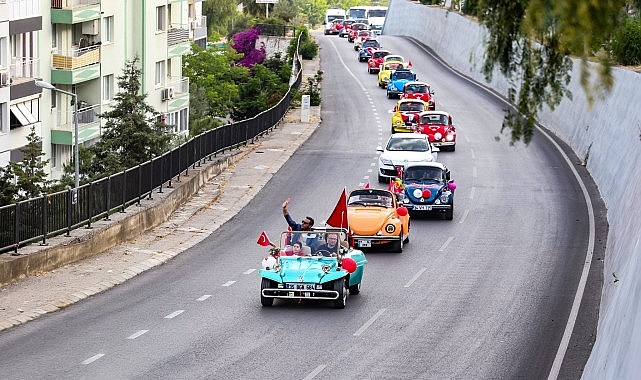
x=379, y=149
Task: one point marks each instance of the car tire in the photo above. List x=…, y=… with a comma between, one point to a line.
x=369, y=70
x=393, y=130
x=265, y=284
x=355, y=289
x=453, y=148
x=389, y=95
x=339, y=286
x=449, y=214
x=381, y=179
x=397, y=245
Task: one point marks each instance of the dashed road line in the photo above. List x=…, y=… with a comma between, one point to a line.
x=447, y=242
x=229, y=283
x=416, y=276
x=249, y=271
x=174, y=314
x=464, y=216
x=369, y=323
x=137, y=334
x=472, y=192
x=315, y=372
x=203, y=297
x=93, y=359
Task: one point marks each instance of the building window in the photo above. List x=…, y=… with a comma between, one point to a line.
x=184, y=119
x=107, y=30
x=3, y=51
x=161, y=16
x=160, y=72
x=3, y=122
x=54, y=155
x=107, y=87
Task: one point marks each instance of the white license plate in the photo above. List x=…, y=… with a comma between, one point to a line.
x=364, y=243
x=423, y=207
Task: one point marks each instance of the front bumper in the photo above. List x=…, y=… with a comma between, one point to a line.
x=316, y=294
x=361, y=241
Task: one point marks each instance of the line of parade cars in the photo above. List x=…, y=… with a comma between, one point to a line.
x=417, y=185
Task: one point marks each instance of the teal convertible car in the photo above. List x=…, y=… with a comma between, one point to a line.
x=315, y=265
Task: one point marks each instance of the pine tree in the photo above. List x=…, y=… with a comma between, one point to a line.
x=133, y=133
x=31, y=178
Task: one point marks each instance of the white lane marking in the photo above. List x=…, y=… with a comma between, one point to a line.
x=347, y=68
x=372, y=164
x=447, y=242
x=93, y=359
x=249, y=271
x=368, y=170
x=368, y=323
x=472, y=192
x=473, y=154
x=315, y=372
x=464, y=216
x=365, y=177
x=229, y=283
x=416, y=276
x=203, y=297
x=565, y=341
x=174, y=314
x=474, y=174
x=137, y=334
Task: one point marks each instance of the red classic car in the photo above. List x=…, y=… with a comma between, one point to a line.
x=375, y=62
x=419, y=90
x=438, y=127
x=336, y=26
x=347, y=25
x=353, y=30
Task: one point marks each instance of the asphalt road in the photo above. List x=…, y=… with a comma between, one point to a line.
x=484, y=296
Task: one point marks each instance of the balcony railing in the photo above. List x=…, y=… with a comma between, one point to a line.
x=177, y=33
x=69, y=4
x=87, y=115
x=198, y=22
x=23, y=8
x=24, y=68
x=75, y=58
x=180, y=86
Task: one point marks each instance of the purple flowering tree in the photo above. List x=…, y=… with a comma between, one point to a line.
x=245, y=42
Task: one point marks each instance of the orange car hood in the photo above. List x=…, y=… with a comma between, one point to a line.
x=368, y=220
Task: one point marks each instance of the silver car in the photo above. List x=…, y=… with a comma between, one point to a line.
x=402, y=149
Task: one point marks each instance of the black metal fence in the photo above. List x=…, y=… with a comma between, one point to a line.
x=41, y=218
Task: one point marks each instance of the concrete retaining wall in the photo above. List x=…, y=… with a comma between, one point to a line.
x=607, y=136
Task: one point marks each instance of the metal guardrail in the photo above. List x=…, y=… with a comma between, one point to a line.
x=39, y=219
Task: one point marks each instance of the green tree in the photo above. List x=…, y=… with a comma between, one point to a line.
x=133, y=133
x=31, y=178
x=263, y=90
x=8, y=188
x=285, y=10
x=220, y=14
x=531, y=42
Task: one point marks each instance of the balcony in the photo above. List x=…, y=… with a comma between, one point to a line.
x=74, y=11
x=178, y=40
x=19, y=9
x=22, y=75
x=88, y=125
x=198, y=28
x=76, y=65
x=179, y=91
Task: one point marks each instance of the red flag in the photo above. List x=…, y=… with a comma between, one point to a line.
x=366, y=185
x=264, y=240
x=391, y=184
x=409, y=64
x=338, y=218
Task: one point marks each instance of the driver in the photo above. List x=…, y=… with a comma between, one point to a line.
x=330, y=247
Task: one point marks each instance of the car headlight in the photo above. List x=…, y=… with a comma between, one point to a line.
x=437, y=136
x=445, y=197
x=385, y=161
x=450, y=137
x=326, y=268
x=398, y=122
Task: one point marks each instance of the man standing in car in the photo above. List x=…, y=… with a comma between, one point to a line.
x=311, y=240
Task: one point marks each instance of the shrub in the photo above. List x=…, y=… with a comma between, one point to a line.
x=626, y=44
x=309, y=50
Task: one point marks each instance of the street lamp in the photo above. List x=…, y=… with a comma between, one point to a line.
x=49, y=86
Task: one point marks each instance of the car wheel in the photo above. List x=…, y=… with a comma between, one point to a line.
x=339, y=287
x=397, y=245
x=389, y=96
x=369, y=70
x=393, y=130
x=452, y=148
x=449, y=214
x=382, y=179
x=266, y=301
x=355, y=289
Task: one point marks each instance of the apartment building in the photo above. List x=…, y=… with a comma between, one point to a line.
x=80, y=47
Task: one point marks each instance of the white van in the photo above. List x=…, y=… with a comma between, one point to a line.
x=331, y=15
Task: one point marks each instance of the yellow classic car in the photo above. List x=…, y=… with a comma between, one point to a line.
x=375, y=219
x=405, y=117
x=386, y=70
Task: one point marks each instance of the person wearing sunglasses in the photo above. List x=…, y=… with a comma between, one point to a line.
x=311, y=239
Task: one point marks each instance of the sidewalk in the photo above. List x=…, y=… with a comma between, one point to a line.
x=189, y=224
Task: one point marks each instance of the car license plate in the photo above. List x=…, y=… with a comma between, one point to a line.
x=298, y=286
x=423, y=207
x=364, y=243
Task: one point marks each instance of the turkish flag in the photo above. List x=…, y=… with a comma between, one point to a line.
x=263, y=240
x=409, y=64
x=338, y=218
x=366, y=185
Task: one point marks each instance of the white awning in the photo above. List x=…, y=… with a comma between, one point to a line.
x=27, y=113
x=19, y=115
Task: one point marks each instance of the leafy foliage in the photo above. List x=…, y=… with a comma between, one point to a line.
x=263, y=90
x=626, y=43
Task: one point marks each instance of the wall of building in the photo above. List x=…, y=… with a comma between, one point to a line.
x=607, y=134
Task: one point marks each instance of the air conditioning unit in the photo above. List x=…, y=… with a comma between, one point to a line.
x=167, y=93
x=4, y=79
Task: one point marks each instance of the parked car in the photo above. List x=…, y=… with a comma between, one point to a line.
x=406, y=115
x=376, y=60
x=376, y=219
x=367, y=49
x=419, y=90
x=439, y=128
x=397, y=80
x=428, y=189
x=312, y=276
x=402, y=149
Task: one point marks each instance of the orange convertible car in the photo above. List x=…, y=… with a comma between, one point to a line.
x=375, y=218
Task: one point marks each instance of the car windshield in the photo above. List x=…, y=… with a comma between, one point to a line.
x=393, y=66
x=412, y=106
x=394, y=58
x=370, y=197
x=416, y=88
x=312, y=243
x=408, y=144
x=380, y=54
x=423, y=173
x=370, y=43
x=403, y=75
x=434, y=119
